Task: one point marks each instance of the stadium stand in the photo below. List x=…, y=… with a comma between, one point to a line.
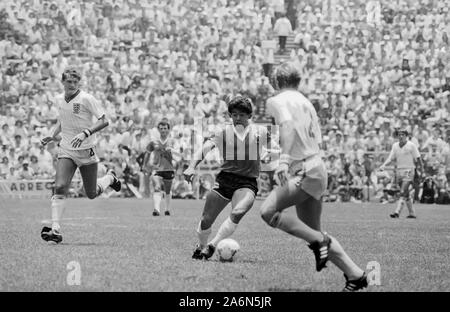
x=371, y=67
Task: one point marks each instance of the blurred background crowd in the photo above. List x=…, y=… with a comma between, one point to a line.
x=370, y=66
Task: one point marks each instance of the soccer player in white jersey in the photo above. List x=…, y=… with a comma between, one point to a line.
x=303, y=177
x=240, y=146
x=407, y=158
x=80, y=117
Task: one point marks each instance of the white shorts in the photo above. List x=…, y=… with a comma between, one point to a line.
x=405, y=175
x=312, y=175
x=82, y=157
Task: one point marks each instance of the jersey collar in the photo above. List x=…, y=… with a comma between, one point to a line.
x=243, y=135
x=70, y=98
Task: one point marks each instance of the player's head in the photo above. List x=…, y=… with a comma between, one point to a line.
x=287, y=76
x=240, y=110
x=71, y=79
x=164, y=127
x=402, y=135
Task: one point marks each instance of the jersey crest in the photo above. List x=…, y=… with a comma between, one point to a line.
x=76, y=108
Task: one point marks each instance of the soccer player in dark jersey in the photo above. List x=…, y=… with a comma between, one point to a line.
x=240, y=145
x=159, y=154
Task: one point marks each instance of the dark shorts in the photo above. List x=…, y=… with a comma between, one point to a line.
x=166, y=175
x=227, y=183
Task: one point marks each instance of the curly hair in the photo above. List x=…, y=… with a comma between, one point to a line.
x=240, y=103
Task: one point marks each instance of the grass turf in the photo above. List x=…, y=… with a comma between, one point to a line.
x=120, y=246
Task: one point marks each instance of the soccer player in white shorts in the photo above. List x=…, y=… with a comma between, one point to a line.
x=300, y=137
x=407, y=157
x=76, y=126
x=160, y=153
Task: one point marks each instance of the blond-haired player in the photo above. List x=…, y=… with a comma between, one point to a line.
x=300, y=137
x=80, y=117
x=407, y=158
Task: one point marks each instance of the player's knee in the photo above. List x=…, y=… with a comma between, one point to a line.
x=271, y=217
x=91, y=194
x=157, y=188
x=236, y=217
x=60, y=189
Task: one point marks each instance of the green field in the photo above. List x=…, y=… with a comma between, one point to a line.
x=121, y=247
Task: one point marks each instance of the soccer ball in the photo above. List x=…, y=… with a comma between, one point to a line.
x=226, y=249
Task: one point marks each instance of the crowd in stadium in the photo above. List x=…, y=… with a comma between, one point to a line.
x=371, y=66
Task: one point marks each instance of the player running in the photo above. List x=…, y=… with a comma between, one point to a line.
x=160, y=156
x=77, y=110
x=407, y=158
x=300, y=137
x=240, y=146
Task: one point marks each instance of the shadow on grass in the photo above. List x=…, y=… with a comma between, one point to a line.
x=87, y=244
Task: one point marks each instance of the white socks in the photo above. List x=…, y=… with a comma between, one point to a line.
x=203, y=235
x=58, y=203
x=400, y=203
x=103, y=183
x=157, y=196
x=410, y=207
x=226, y=230
x=168, y=199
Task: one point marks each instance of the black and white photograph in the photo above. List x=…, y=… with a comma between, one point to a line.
x=225, y=151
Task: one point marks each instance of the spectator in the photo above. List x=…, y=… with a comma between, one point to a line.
x=283, y=29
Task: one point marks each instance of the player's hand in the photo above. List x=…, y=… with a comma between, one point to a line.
x=78, y=139
x=47, y=140
x=189, y=174
x=282, y=173
x=382, y=168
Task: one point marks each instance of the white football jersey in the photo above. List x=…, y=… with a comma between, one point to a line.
x=292, y=106
x=80, y=113
x=404, y=156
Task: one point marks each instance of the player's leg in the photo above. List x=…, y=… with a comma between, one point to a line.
x=405, y=189
x=401, y=201
x=280, y=199
x=93, y=186
x=168, y=195
x=214, y=204
x=158, y=190
x=242, y=201
x=65, y=169
x=310, y=212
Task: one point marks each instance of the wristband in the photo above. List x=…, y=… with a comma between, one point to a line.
x=87, y=132
x=284, y=159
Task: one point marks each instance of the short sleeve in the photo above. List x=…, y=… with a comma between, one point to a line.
x=415, y=151
x=218, y=137
x=95, y=107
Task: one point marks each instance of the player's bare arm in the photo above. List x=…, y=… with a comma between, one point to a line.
x=53, y=135
x=198, y=157
x=101, y=123
x=419, y=165
x=388, y=160
x=287, y=136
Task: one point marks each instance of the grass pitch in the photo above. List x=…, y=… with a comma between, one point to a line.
x=120, y=246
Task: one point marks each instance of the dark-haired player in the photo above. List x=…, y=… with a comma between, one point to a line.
x=407, y=158
x=159, y=154
x=303, y=177
x=80, y=117
x=240, y=147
